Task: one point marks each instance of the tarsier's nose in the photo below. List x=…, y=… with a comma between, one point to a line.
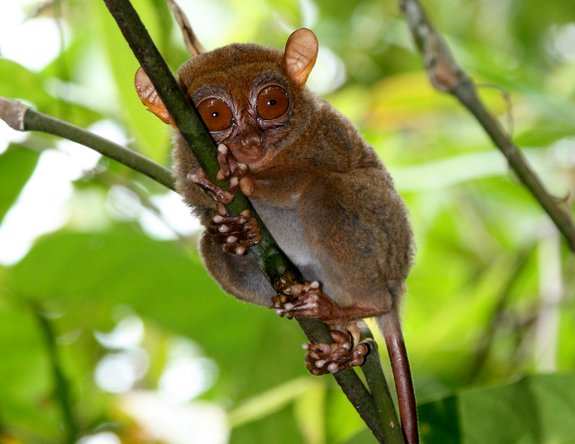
x=251, y=139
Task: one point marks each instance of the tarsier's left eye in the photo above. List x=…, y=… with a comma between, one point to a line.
x=273, y=102
x=216, y=114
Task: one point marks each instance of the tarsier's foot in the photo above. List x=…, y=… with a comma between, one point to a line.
x=303, y=300
x=346, y=351
x=235, y=233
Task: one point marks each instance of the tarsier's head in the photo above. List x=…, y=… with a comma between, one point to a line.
x=246, y=95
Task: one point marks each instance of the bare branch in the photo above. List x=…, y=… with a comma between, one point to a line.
x=193, y=45
x=23, y=118
x=446, y=76
x=12, y=112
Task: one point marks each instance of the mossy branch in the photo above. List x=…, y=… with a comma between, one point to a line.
x=447, y=76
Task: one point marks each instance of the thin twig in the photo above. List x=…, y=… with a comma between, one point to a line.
x=193, y=45
x=446, y=76
x=497, y=315
x=23, y=118
x=61, y=386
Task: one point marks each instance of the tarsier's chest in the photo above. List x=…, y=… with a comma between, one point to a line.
x=288, y=231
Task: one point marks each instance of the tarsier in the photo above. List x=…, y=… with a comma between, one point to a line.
x=322, y=192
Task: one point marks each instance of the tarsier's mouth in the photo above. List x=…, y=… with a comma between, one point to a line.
x=250, y=156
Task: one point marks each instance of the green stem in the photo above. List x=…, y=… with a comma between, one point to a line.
x=377, y=383
x=62, y=392
x=36, y=121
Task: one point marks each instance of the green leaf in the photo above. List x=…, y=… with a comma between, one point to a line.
x=271, y=401
x=439, y=421
x=536, y=409
x=16, y=166
x=278, y=428
x=20, y=83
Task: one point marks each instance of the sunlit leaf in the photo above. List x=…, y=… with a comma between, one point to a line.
x=16, y=166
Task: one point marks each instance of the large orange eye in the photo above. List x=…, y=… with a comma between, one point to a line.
x=273, y=102
x=216, y=114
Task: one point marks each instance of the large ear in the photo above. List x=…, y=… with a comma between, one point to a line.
x=300, y=55
x=150, y=98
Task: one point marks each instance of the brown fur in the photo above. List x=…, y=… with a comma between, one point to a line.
x=320, y=174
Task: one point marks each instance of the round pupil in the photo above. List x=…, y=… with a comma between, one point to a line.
x=215, y=114
x=272, y=102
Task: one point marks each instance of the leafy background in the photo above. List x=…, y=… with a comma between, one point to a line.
x=113, y=294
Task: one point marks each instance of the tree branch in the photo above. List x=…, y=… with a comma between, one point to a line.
x=23, y=118
x=446, y=76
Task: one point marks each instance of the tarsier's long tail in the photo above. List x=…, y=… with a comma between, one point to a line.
x=391, y=329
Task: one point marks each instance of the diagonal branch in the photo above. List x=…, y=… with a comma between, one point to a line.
x=446, y=76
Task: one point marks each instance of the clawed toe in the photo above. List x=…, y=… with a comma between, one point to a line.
x=236, y=234
x=343, y=353
x=302, y=300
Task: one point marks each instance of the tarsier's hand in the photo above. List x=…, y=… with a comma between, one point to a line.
x=220, y=195
x=230, y=169
x=237, y=173
x=235, y=233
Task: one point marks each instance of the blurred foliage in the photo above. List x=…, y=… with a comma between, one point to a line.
x=490, y=301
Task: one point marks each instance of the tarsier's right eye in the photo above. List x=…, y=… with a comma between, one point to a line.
x=273, y=102
x=216, y=114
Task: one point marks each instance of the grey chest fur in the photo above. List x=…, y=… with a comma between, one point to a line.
x=285, y=226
